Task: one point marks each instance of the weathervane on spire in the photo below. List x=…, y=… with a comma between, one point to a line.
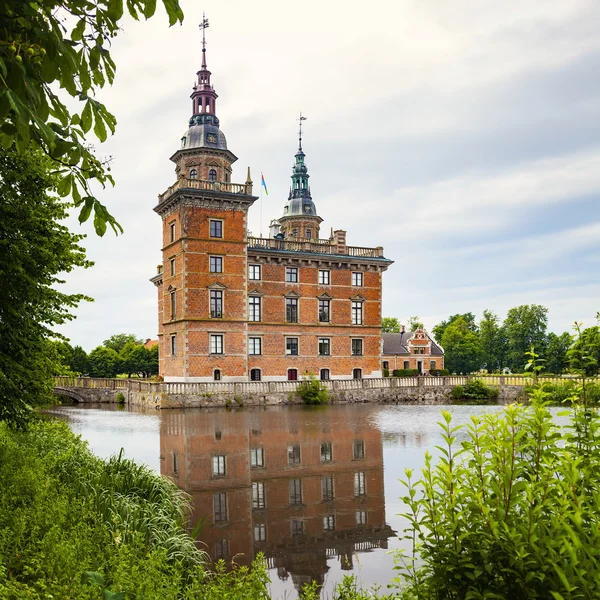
x=300, y=130
x=203, y=27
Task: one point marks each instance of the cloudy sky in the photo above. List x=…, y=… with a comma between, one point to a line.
x=462, y=136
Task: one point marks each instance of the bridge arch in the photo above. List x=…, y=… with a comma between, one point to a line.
x=69, y=393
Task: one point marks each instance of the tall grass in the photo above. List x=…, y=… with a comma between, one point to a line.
x=65, y=512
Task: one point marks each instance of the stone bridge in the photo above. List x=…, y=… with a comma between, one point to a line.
x=403, y=390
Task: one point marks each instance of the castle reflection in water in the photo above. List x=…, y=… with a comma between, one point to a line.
x=301, y=485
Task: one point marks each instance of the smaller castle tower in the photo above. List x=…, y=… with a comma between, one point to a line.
x=300, y=218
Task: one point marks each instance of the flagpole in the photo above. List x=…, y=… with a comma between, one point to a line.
x=261, y=212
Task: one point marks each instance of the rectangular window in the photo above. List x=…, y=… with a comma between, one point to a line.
x=294, y=454
x=258, y=494
x=386, y=365
x=291, y=310
x=329, y=523
x=359, y=484
x=173, y=305
x=260, y=532
x=216, y=344
x=216, y=304
x=216, y=264
x=309, y=233
x=291, y=274
x=323, y=277
x=220, y=507
x=324, y=346
x=172, y=231
x=324, y=374
x=216, y=228
x=173, y=345
x=297, y=527
x=218, y=465
x=175, y=463
x=357, y=347
x=253, y=271
x=358, y=449
x=357, y=279
x=254, y=306
x=291, y=346
x=172, y=263
x=326, y=452
x=254, y=345
x=327, y=488
x=221, y=549
x=324, y=311
x=432, y=364
x=257, y=457
x=295, y=491
x=406, y=364
x=357, y=312
x=361, y=517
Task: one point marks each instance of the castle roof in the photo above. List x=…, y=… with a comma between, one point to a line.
x=398, y=343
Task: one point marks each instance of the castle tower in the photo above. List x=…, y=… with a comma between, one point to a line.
x=202, y=282
x=300, y=217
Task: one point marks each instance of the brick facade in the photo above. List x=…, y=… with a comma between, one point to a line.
x=218, y=320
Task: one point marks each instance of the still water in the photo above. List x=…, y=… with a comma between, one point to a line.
x=315, y=489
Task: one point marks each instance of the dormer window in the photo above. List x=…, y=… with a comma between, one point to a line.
x=212, y=175
x=193, y=174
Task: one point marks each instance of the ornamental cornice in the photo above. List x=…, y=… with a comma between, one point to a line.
x=215, y=201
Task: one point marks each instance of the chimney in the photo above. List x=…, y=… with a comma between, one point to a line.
x=339, y=239
x=402, y=329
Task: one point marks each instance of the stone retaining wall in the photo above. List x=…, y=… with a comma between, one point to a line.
x=157, y=399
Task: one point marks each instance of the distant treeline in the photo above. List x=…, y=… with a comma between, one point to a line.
x=120, y=354
x=495, y=345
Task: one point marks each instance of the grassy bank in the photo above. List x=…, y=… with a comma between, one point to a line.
x=75, y=526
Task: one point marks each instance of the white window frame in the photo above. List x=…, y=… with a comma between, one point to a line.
x=252, y=343
x=253, y=303
x=257, y=457
x=258, y=495
x=218, y=264
x=324, y=277
x=287, y=350
x=360, y=484
x=216, y=340
x=210, y=222
x=219, y=465
x=357, y=312
x=219, y=297
x=292, y=275
x=252, y=272
x=362, y=347
x=326, y=344
x=357, y=279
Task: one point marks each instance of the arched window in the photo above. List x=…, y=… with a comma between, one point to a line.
x=324, y=374
x=309, y=234
x=193, y=174
x=212, y=175
x=217, y=375
x=292, y=374
x=255, y=375
x=357, y=373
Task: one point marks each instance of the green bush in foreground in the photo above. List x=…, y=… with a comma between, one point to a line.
x=567, y=392
x=475, y=392
x=405, y=372
x=65, y=512
x=511, y=512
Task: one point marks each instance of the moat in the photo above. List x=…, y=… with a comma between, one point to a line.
x=315, y=489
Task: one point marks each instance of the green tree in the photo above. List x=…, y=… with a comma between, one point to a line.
x=556, y=352
x=136, y=358
x=103, y=362
x=118, y=341
x=35, y=247
x=525, y=327
x=153, y=361
x=55, y=52
x=493, y=342
x=390, y=325
x=438, y=330
x=584, y=355
x=462, y=347
x=414, y=323
x=79, y=361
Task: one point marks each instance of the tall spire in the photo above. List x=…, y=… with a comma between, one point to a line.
x=300, y=131
x=204, y=96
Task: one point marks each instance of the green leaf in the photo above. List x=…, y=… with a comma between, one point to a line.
x=77, y=32
x=92, y=577
x=86, y=209
x=99, y=127
x=86, y=117
x=149, y=8
x=99, y=224
x=115, y=9
x=64, y=185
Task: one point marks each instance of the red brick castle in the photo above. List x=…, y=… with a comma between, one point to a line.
x=236, y=308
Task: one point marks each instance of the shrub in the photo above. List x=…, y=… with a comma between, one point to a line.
x=120, y=398
x=439, y=372
x=567, y=392
x=475, y=391
x=405, y=372
x=511, y=509
x=386, y=372
x=312, y=391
